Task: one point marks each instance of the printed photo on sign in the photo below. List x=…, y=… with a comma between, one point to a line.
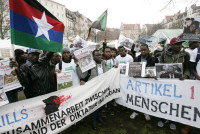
x=3, y=98
x=64, y=80
x=122, y=68
x=191, y=30
x=126, y=42
x=10, y=78
x=136, y=69
x=150, y=71
x=85, y=59
x=170, y=71
x=79, y=43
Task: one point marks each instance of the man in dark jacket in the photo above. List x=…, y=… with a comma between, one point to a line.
x=176, y=54
x=34, y=74
x=150, y=61
x=145, y=56
x=21, y=59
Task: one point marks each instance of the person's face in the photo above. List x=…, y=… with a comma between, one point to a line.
x=107, y=53
x=197, y=31
x=144, y=51
x=122, y=52
x=113, y=53
x=33, y=57
x=66, y=55
x=97, y=57
x=56, y=58
x=177, y=47
x=22, y=57
x=192, y=28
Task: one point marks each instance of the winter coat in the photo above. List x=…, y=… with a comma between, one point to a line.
x=150, y=60
x=35, y=77
x=183, y=57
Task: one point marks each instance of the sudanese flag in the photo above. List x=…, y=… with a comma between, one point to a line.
x=100, y=23
x=32, y=25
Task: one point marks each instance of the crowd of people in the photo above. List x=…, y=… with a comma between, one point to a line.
x=36, y=71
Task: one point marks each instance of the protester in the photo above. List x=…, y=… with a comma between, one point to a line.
x=176, y=54
x=114, y=52
x=158, y=52
x=123, y=57
x=194, y=63
x=150, y=61
x=43, y=53
x=20, y=58
x=99, y=69
x=107, y=57
x=68, y=64
x=34, y=74
x=133, y=52
x=52, y=74
x=192, y=46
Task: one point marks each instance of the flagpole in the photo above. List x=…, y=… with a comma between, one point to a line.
x=106, y=26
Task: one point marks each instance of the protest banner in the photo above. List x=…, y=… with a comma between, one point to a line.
x=126, y=42
x=64, y=80
x=79, y=42
x=171, y=99
x=55, y=112
x=85, y=59
x=3, y=98
x=10, y=79
x=191, y=30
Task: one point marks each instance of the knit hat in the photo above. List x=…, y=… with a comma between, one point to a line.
x=66, y=50
x=32, y=50
x=175, y=40
x=18, y=52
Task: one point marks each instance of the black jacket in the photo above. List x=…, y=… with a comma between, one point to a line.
x=150, y=60
x=35, y=77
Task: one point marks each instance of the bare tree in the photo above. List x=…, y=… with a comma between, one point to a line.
x=4, y=18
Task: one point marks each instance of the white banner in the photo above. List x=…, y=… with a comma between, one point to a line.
x=170, y=99
x=55, y=112
x=10, y=78
x=85, y=59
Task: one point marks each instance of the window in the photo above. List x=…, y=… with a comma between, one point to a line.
x=57, y=6
x=57, y=14
x=52, y=5
x=62, y=15
x=46, y=3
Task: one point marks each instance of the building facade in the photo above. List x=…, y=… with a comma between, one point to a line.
x=131, y=31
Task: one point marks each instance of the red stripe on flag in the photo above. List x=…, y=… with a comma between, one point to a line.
x=21, y=7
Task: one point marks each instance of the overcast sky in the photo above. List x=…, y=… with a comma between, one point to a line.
x=127, y=11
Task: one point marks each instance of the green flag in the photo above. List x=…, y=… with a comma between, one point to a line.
x=100, y=23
